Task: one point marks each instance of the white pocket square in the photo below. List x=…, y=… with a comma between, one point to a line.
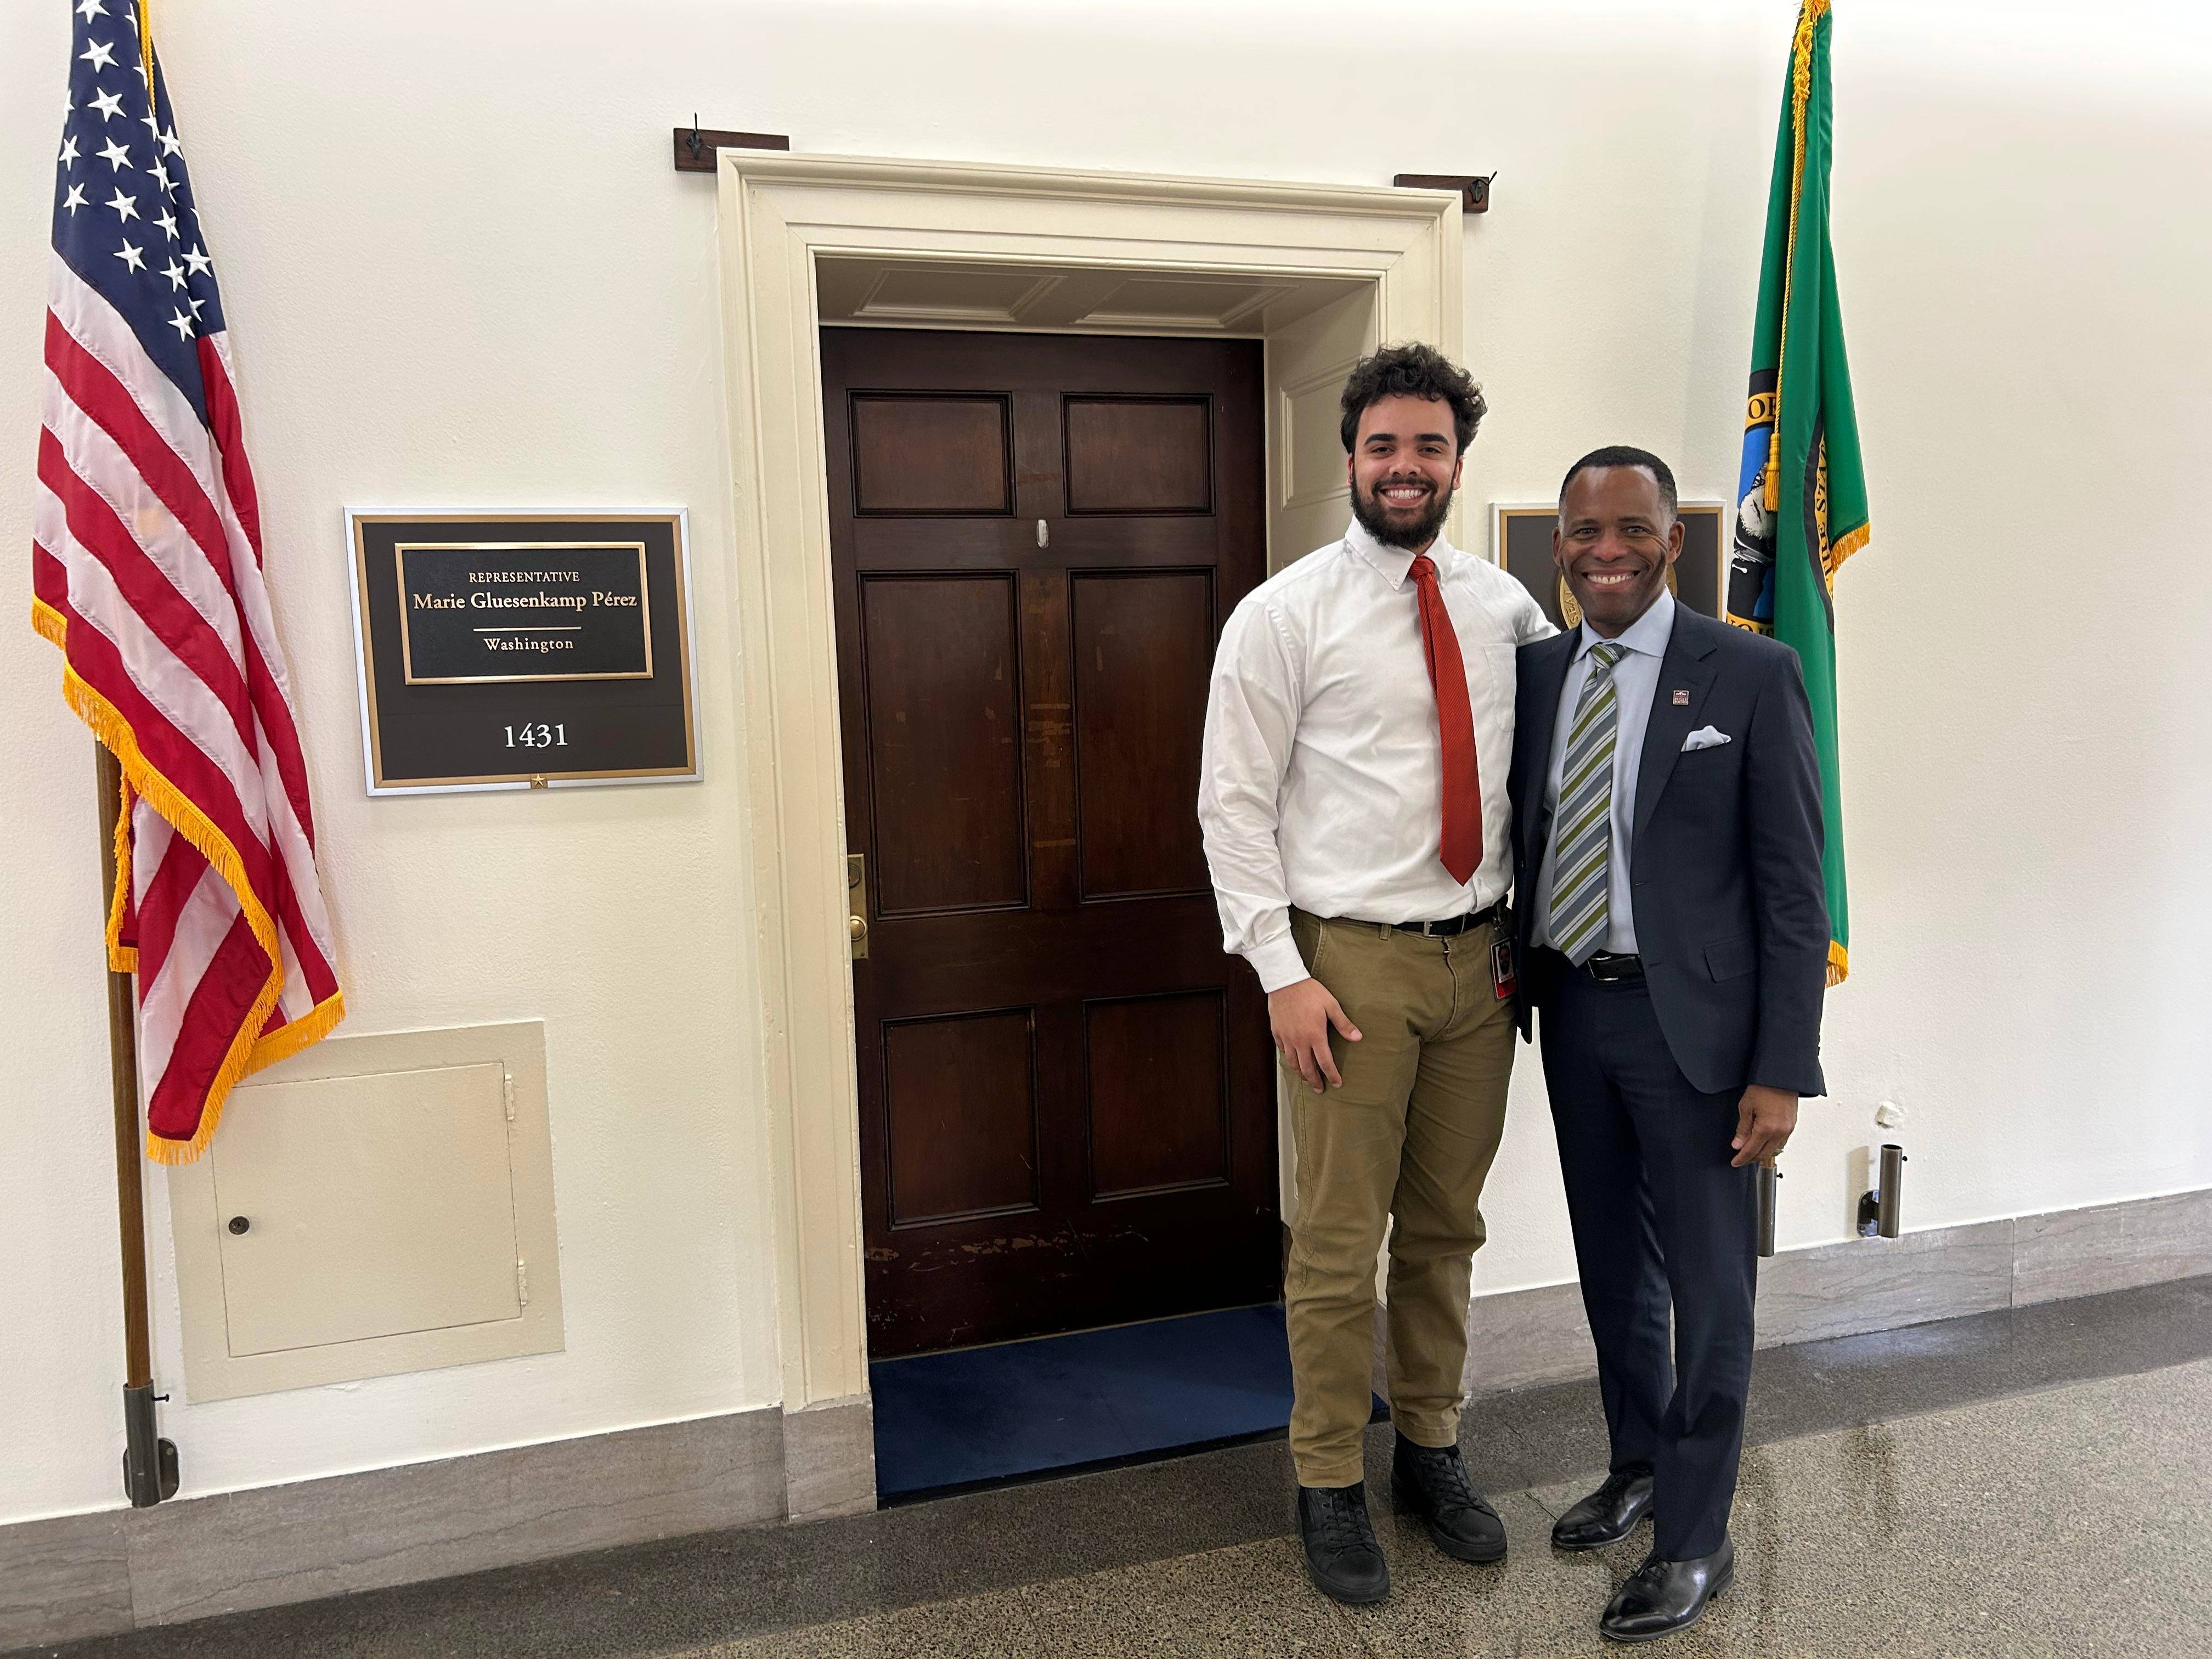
x=1705, y=736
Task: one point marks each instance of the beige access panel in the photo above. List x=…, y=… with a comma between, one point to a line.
x=379, y=1203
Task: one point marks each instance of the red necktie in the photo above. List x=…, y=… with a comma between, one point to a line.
x=1461, y=848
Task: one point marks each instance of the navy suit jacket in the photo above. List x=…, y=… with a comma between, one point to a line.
x=1731, y=911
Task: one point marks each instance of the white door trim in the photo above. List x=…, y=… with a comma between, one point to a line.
x=778, y=213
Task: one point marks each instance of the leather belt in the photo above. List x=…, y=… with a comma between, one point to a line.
x=1455, y=926
x=1608, y=969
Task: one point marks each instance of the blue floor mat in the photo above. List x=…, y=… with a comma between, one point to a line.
x=951, y=1419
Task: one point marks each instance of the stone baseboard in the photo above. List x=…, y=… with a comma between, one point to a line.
x=63, y=1578
x=830, y=1460
x=1519, y=1339
x=94, y=1574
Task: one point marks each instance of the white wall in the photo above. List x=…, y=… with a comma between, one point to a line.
x=460, y=272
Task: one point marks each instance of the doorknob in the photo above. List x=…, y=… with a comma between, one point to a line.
x=856, y=903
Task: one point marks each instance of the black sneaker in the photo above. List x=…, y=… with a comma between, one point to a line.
x=1431, y=1482
x=1341, y=1553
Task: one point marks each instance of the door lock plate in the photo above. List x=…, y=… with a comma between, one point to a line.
x=856, y=903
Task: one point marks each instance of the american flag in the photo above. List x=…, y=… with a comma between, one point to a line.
x=145, y=570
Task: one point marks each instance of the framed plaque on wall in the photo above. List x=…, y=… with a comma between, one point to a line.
x=522, y=650
x=1521, y=542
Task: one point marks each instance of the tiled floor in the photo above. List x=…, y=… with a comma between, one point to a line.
x=2033, y=1482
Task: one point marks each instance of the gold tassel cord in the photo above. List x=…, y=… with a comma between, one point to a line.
x=121, y=958
x=146, y=54
x=1801, y=94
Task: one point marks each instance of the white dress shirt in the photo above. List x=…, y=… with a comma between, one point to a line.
x=1322, y=784
x=1635, y=678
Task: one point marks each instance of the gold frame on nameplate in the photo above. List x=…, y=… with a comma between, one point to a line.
x=678, y=520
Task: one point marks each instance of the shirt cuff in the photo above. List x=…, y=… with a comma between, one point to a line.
x=1278, y=962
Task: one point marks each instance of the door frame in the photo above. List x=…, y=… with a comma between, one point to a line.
x=778, y=214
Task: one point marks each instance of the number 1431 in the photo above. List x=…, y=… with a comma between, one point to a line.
x=540, y=736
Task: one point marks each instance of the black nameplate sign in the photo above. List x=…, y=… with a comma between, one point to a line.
x=494, y=610
x=505, y=650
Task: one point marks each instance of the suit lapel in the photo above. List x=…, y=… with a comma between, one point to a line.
x=1548, y=681
x=1686, y=668
x=1551, y=680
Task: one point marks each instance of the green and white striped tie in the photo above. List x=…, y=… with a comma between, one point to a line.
x=1579, y=885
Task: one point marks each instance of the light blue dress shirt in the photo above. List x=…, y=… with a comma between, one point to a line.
x=1635, y=678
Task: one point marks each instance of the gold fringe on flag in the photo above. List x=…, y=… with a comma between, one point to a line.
x=249, y=1051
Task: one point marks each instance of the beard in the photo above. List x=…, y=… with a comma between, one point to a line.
x=1412, y=535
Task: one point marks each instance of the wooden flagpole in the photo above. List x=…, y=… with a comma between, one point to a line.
x=149, y=1462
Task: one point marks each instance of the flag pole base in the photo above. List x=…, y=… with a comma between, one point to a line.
x=149, y=1462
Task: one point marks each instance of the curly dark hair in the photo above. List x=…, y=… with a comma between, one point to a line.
x=1413, y=370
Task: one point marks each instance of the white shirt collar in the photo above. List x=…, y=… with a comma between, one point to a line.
x=1393, y=564
x=1647, y=634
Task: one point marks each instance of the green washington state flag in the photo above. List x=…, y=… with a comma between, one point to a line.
x=1801, y=493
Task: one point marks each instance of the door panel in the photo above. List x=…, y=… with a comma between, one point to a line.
x=1138, y=455
x=960, y=1109
x=1159, y=1103
x=944, y=760
x=1066, y=1094
x=1144, y=655
x=921, y=454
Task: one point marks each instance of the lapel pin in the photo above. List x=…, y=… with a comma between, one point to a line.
x=1681, y=700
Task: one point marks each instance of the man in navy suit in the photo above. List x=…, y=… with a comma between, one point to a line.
x=1674, y=932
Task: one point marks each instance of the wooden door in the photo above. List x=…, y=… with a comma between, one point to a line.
x=1067, y=1109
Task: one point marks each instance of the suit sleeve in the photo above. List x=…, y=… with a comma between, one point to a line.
x=1783, y=829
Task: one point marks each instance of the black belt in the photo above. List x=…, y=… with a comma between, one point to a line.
x=1454, y=927
x=1608, y=969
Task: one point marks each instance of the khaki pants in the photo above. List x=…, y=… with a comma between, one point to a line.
x=1404, y=1144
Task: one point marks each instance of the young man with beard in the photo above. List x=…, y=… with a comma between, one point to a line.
x=1675, y=937
x=1353, y=802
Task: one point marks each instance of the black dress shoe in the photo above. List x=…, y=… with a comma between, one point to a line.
x=1431, y=1482
x=1662, y=1597
x=1607, y=1515
x=1341, y=1553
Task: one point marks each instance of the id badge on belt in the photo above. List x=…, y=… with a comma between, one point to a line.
x=1503, y=979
